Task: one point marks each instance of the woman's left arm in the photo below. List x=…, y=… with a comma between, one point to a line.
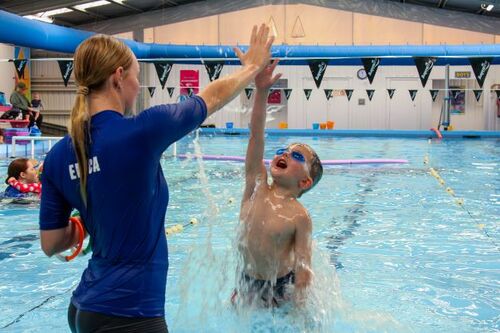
x=56, y=233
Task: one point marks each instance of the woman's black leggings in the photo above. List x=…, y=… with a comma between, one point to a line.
x=93, y=322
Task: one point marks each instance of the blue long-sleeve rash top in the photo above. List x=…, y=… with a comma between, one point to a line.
x=127, y=198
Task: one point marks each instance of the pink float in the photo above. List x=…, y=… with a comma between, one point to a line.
x=324, y=162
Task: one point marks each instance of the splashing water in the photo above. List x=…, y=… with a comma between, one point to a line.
x=211, y=272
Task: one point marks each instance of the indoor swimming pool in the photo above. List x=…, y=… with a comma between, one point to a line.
x=394, y=250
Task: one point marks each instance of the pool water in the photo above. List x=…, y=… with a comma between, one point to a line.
x=393, y=250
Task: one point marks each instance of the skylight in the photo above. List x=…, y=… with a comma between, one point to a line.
x=91, y=5
x=47, y=16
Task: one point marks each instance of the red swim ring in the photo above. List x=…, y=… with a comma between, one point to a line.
x=81, y=235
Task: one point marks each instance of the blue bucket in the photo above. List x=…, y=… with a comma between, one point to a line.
x=315, y=126
x=229, y=125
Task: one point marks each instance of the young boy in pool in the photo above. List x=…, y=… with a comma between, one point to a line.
x=275, y=239
x=22, y=178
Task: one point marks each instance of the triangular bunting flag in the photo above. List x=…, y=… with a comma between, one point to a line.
x=66, y=67
x=480, y=66
x=170, y=91
x=272, y=28
x=163, y=69
x=308, y=93
x=328, y=93
x=287, y=93
x=190, y=92
x=248, y=92
x=298, y=29
x=391, y=92
x=348, y=93
x=151, y=91
x=370, y=93
x=498, y=93
x=424, y=67
x=455, y=93
x=477, y=94
x=20, y=64
x=434, y=93
x=214, y=68
x=413, y=94
x=371, y=66
x=318, y=69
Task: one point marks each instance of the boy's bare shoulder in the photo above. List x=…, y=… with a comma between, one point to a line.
x=302, y=213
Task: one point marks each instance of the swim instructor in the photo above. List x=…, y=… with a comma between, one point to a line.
x=108, y=168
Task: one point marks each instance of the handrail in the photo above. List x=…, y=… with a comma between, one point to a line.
x=33, y=139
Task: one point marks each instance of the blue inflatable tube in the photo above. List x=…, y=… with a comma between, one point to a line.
x=21, y=31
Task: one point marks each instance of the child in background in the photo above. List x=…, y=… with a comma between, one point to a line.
x=22, y=179
x=275, y=239
x=37, y=106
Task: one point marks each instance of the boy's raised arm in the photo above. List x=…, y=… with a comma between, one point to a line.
x=254, y=166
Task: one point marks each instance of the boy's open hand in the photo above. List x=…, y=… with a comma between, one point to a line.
x=265, y=79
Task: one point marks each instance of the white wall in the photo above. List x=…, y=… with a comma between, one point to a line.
x=321, y=26
x=7, y=71
x=400, y=113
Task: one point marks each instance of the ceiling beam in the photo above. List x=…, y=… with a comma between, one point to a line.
x=442, y=3
x=33, y=7
x=128, y=6
x=91, y=13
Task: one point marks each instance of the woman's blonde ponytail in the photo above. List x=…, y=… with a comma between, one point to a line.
x=95, y=60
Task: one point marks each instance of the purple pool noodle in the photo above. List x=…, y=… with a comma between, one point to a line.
x=324, y=162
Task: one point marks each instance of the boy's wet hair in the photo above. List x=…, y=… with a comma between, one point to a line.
x=16, y=167
x=315, y=168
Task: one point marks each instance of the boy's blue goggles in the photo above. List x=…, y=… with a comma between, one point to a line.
x=295, y=154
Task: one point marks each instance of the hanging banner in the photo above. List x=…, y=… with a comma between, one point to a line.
x=477, y=94
x=248, y=92
x=498, y=93
x=20, y=64
x=66, y=67
x=274, y=96
x=391, y=92
x=348, y=93
x=370, y=93
x=434, y=93
x=151, y=91
x=287, y=93
x=457, y=102
x=424, y=67
x=480, y=66
x=308, y=93
x=318, y=69
x=371, y=66
x=163, y=69
x=455, y=93
x=413, y=94
x=170, y=91
x=328, y=93
x=214, y=68
x=189, y=78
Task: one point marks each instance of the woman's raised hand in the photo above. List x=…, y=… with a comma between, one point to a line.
x=259, y=51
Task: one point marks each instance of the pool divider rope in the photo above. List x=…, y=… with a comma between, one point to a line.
x=459, y=201
x=180, y=227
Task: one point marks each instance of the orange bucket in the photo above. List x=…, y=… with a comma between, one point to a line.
x=322, y=125
x=330, y=124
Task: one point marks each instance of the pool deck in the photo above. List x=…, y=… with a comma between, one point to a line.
x=41, y=147
x=357, y=133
